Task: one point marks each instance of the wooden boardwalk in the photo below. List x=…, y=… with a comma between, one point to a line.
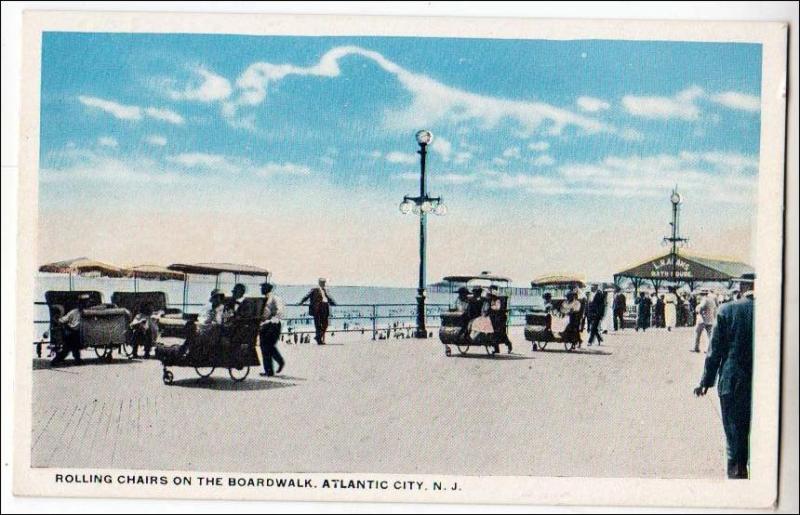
x=624, y=409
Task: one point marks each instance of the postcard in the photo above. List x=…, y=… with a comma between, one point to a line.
x=453, y=260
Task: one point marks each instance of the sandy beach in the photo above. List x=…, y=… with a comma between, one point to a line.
x=621, y=410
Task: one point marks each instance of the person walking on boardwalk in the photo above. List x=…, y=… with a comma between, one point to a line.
x=71, y=327
x=620, y=305
x=671, y=309
x=270, y=330
x=319, y=305
x=643, y=306
x=731, y=358
x=144, y=329
x=707, y=312
x=594, y=313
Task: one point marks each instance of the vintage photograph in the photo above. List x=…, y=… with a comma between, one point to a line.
x=368, y=254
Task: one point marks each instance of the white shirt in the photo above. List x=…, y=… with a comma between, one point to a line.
x=707, y=310
x=324, y=295
x=273, y=310
x=72, y=319
x=570, y=307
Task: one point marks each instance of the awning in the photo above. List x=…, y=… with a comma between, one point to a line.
x=82, y=265
x=219, y=268
x=559, y=281
x=485, y=276
x=156, y=272
x=687, y=268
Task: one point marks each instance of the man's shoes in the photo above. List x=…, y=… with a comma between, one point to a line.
x=280, y=367
x=266, y=374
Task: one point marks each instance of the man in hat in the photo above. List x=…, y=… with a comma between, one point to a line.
x=499, y=319
x=71, y=327
x=594, y=313
x=730, y=357
x=319, y=305
x=270, y=331
x=619, y=307
x=707, y=311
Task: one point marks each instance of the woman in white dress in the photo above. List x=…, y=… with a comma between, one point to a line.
x=670, y=309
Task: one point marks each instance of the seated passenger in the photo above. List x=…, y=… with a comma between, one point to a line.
x=571, y=308
x=462, y=306
x=203, y=331
x=481, y=326
x=231, y=308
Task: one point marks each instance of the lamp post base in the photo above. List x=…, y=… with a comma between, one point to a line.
x=422, y=331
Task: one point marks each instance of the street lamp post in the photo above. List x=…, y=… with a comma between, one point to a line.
x=675, y=240
x=421, y=206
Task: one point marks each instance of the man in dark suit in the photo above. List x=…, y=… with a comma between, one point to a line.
x=619, y=306
x=731, y=358
x=594, y=313
x=319, y=305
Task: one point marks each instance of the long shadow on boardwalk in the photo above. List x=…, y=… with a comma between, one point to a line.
x=576, y=352
x=44, y=363
x=229, y=384
x=496, y=357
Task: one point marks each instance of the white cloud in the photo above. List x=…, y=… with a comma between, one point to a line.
x=213, y=162
x=271, y=169
x=681, y=106
x=78, y=163
x=108, y=141
x=629, y=134
x=511, y=153
x=212, y=87
x=720, y=177
x=401, y=157
x=157, y=140
x=432, y=102
x=81, y=164
x=538, y=146
x=455, y=178
x=591, y=104
x=543, y=160
x=442, y=147
x=736, y=100
x=462, y=158
x=123, y=112
x=130, y=112
x=716, y=177
x=165, y=115
x=499, y=161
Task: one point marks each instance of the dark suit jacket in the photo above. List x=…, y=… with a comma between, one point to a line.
x=315, y=297
x=731, y=354
x=597, y=306
x=620, y=302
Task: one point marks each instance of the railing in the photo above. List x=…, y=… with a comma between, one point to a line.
x=383, y=321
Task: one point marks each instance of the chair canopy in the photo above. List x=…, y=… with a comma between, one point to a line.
x=82, y=265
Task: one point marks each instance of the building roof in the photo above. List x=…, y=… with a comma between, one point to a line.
x=687, y=268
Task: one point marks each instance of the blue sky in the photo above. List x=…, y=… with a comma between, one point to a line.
x=294, y=152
